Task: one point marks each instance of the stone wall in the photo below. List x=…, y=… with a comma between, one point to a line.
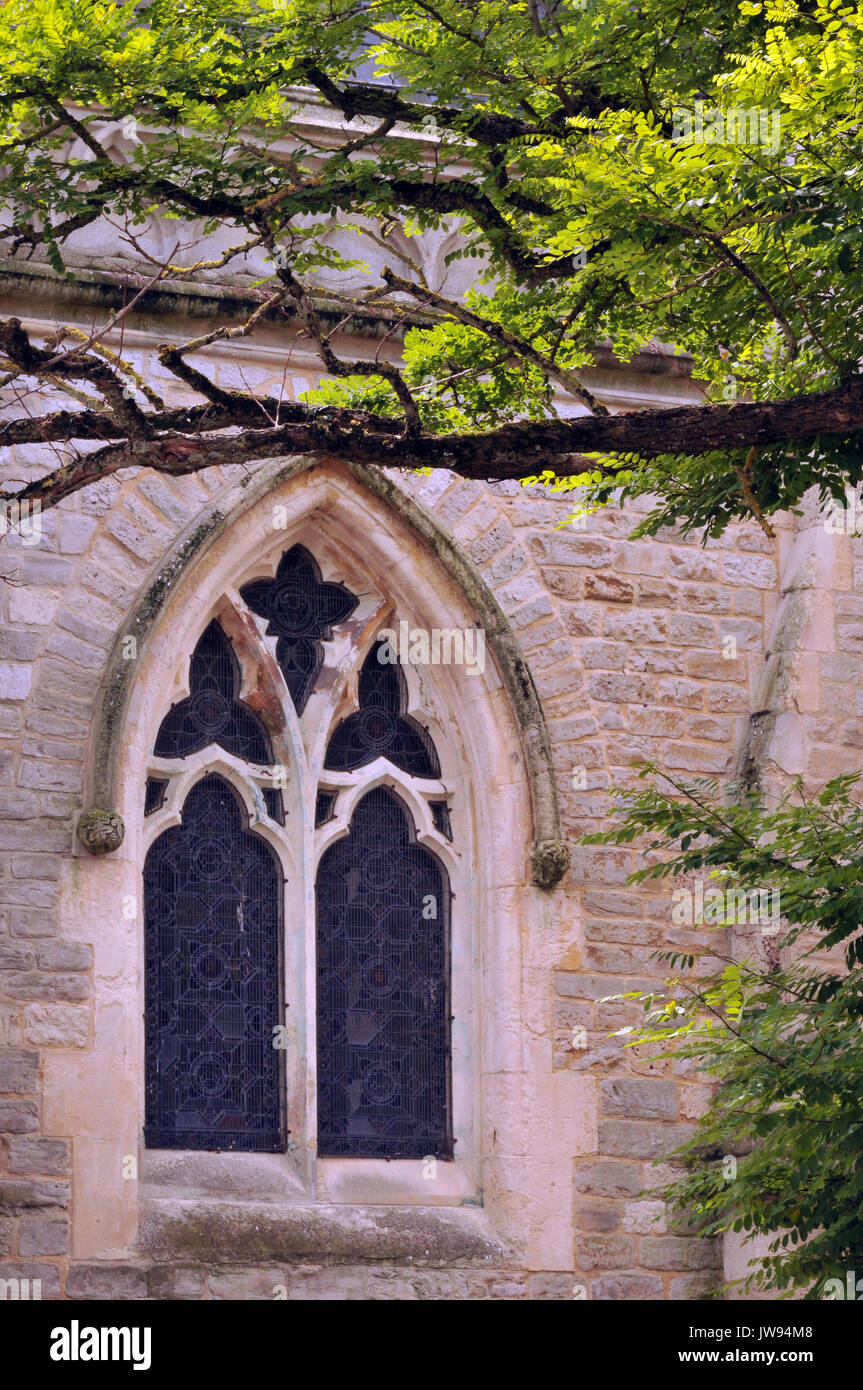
x=700, y=658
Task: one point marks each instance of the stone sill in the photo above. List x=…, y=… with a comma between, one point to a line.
x=179, y=1173
x=228, y=1232
x=185, y=1174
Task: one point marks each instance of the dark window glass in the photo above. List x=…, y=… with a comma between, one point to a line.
x=213, y=712
x=440, y=816
x=154, y=794
x=380, y=728
x=325, y=807
x=383, y=907
x=274, y=804
x=301, y=611
x=212, y=930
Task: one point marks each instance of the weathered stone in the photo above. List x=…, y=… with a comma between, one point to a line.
x=188, y=1283
x=41, y=866
x=19, y=805
x=43, y=1236
x=14, y=680
x=679, y=693
x=756, y=572
x=605, y=1177
x=696, y=758
x=580, y=986
x=546, y=1286
x=489, y=1286
x=33, y=605
x=19, y=894
x=645, y=1218
x=689, y=564
x=56, y=1025
x=641, y=1138
x=42, y=1281
x=16, y=1194
x=603, y=656
x=387, y=1284
x=693, y=1286
x=604, y=1252
x=34, y=835
x=615, y=959
x=50, y=776
x=620, y=687
x=75, y=532
x=101, y=832
x=530, y=613
x=679, y=1252
x=18, y=645
x=160, y=1282
x=637, y=1098
x=19, y=1071
x=65, y=955
x=40, y=1156
x=48, y=987
x=257, y=1284
x=106, y=1281
x=626, y=1287
x=569, y=548
x=18, y=1116
x=608, y=588
x=346, y=1285
x=687, y=630
x=16, y=956
x=593, y=1216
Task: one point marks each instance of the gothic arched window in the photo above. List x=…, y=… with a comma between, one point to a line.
x=232, y=830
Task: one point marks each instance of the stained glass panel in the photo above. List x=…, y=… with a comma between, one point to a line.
x=212, y=929
x=383, y=908
x=380, y=728
x=213, y=711
x=301, y=611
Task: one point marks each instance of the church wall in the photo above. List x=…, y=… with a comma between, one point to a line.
x=743, y=653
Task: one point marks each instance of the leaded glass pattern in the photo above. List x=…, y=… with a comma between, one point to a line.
x=212, y=930
x=213, y=711
x=441, y=818
x=383, y=905
x=301, y=611
x=214, y=897
x=155, y=791
x=380, y=728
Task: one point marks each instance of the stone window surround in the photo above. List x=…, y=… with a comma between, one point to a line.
x=299, y=747
x=326, y=509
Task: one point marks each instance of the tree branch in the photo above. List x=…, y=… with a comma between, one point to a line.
x=511, y=451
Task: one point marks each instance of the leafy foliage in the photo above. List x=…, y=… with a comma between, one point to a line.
x=779, y=1028
x=549, y=134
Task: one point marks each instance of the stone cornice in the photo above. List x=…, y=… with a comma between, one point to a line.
x=107, y=290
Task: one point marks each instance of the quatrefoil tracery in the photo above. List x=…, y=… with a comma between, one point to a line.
x=301, y=611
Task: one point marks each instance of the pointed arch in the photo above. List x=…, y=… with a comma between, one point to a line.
x=549, y=854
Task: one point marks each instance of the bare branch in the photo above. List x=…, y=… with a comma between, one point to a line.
x=510, y=451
